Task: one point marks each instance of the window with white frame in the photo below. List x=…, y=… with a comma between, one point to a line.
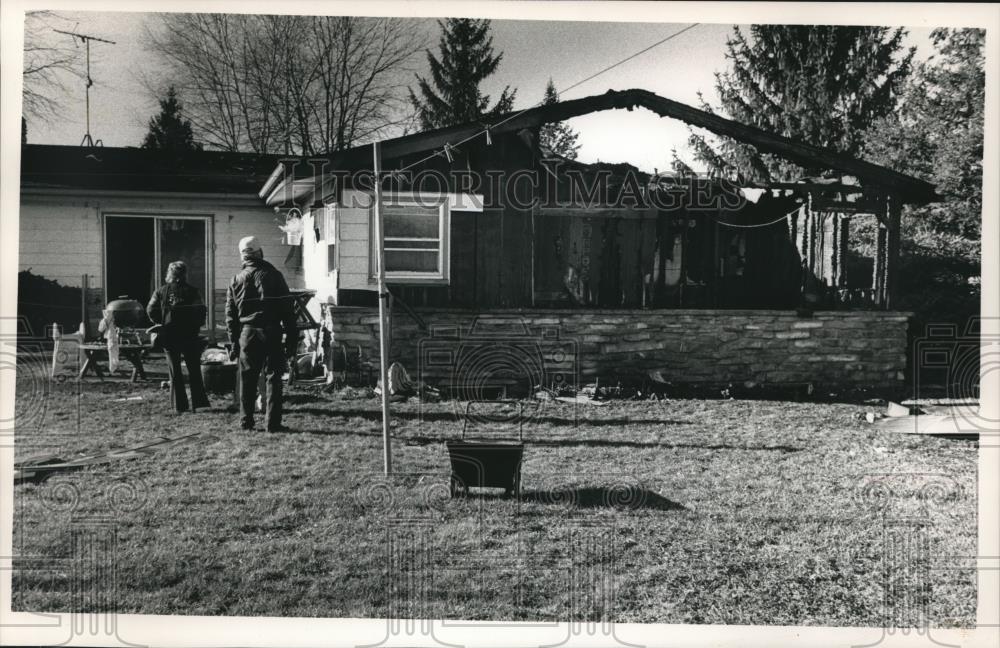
x=416, y=240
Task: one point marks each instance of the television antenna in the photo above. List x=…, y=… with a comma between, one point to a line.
x=85, y=39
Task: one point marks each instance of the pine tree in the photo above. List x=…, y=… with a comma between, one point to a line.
x=466, y=59
x=558, y=137
x=937, y=132
x=168, y=130
x=820, y=85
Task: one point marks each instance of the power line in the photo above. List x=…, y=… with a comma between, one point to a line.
x=446, y=151
x=629, y=58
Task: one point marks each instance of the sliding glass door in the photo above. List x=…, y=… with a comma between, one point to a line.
x=138, y=249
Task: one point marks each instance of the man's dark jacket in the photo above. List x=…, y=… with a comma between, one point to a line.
x=259, y=297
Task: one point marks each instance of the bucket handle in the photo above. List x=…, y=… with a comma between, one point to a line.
x=520, y=415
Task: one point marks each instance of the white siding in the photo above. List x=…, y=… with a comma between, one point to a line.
x=352, y=257
x=61, y=235
x=61, y=241
x=353, y=246
x=232, y=224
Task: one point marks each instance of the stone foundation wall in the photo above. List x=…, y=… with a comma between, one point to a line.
x=830, y=348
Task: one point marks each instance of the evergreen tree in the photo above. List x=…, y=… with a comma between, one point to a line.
x=820, y=85
x=937, y=132
x=558, y=137
x=168, y=130
x=466, y=59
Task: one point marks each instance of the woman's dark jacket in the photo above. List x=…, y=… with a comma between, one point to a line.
x=178, y=307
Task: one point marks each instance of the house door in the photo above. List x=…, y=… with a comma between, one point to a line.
x=138, y=249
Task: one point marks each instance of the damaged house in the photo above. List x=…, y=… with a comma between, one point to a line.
x=506, y=263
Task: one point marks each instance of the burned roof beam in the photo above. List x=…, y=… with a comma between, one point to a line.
x=803, y=154
x=912, y=189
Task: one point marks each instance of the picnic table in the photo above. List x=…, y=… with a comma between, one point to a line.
x=97, y=351
x=304, y=321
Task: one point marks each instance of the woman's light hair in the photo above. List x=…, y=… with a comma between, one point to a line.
x=177, y=271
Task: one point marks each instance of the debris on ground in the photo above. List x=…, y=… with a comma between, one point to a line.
x=941, y=417
x=657, y=376
x=306, y=365
x=943, y=425
x=401, y=386
x=580, y=399
x=40, y=468
x=940, y=402
x=126, y=399
x=349, y=393
x=895, y=409
x=590, y=394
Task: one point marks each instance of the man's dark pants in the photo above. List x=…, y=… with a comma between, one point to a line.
x=188, y=351
x=261, y=349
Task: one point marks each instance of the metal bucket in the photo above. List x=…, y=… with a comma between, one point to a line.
x=485, y=465
x=219, y=377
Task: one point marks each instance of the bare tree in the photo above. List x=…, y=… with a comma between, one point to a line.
x=296, y=84
x=50, y=62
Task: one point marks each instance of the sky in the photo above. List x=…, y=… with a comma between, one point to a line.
x=533, y=52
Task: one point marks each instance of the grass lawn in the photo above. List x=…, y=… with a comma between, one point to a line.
x=698, y=511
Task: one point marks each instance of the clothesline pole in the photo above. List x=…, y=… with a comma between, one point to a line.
x=383, y=296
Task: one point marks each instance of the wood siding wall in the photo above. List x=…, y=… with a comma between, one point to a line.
x=517, y=254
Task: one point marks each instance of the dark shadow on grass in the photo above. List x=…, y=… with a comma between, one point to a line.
x=433, y=417
x=294, y=399
x=632, y=498
x=597, y=443
x=421, y=440
x=627, y=498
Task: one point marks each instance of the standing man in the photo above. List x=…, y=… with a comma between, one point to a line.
x=259, y=310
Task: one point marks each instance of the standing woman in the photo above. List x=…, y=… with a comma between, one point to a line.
x=178, y=308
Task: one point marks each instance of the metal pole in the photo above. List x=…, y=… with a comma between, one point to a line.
x=89, y=83
x=383, y=295
x=84, y=287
